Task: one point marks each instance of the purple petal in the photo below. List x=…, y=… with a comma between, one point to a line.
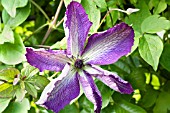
x=49, y=60
x=107, y=47
x=91, y=91
x=60, y=91
x=110, y=79
x=76, y=26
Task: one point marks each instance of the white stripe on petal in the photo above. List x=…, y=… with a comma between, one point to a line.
x=51, y=86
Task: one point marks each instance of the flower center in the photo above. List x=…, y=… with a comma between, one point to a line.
x=78, y=63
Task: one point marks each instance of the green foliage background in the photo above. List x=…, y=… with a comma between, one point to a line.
x=24, y=23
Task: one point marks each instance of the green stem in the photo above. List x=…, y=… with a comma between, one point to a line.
x=42, y=46
x=110, y=16
x=53, y=22
x=42, y=11
x=37, y=30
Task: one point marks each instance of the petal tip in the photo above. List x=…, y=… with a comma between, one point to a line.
x=128, y=89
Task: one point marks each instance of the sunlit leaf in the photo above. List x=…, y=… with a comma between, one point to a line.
x=154, y=24
x=18, y=107
x=6, y=35
x=60, y=44
x=31, y=89
x=20, y=93
x=8, y=90
x=12, y=53
x=101, y=3
x=160, y=7
x=93, y=14
x=11, y=5
x=21, y=16
x=39, y=81
x=8, y=74
x=150, y=49
x=4, y=86
x=29, y=71
x=4, y=103
x=136, y=19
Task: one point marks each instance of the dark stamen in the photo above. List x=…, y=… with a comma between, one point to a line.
x=78, y=64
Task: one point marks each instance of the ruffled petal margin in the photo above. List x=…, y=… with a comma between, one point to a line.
x=47, y=60
x=107, y=47
x=76, y=26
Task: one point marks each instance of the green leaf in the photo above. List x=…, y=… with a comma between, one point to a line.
x=108, y=109
x=160, y=7
x=126, y=107
x=105, y=96
x=8, y=74
x=137, y=78
x=31, y=89
x=4, y=103
x=162, y=103
x=85, y=104
x=8, y=90
x=40, y=81
x=4, y=86
x=11, y=6
x=18, y=107
x=136, y=41
x=112, y=17
x=134, y=17
x=123, y=106
x=93, y=14
x=69, y=109
x=154, y=24
x=66, y=2
x=12, y=54
x=149, y=97
x=60, y=44
x=121, y=67
x=150, y=49
x=101, y=3
x=21, y=16
x=6, y=35
x=165, y=57
x=20, y=92
x=29, y=71
x=153, y=3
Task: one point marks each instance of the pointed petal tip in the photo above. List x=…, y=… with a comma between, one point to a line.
x=76, y=27
x=110, y=79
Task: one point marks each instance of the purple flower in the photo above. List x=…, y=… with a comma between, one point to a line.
x=79, y=63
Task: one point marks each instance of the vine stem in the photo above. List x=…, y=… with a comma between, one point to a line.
x=42, y=11
x=36, y=31
x=42, y=46
x=53, y=22
x=108, y=12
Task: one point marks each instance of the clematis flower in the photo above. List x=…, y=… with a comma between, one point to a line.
x=79, y=63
